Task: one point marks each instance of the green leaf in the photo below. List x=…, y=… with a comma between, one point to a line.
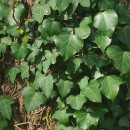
x=64, y=87
x=92, y=92
x=110, y=86
x=85, y=3
x=2, y=48
x=24, y=70
x=13, y=31
x=62, y=4
x=83, y=82
x=62, y=116
x=12, y=72
x=6, y=40
x=46, y=84
x=3, y=123
x=39, y=11
x=121, y=59
x=86, y=119
x=106, y=21
x=123, y=35
x=50, y=59
x=106, y=4
x=19, y=51
x=102, y=42
x=32, y=99
x=51, y=27
x=5, y=109
x=68, y=44
x=124, y=121
x=76, y=102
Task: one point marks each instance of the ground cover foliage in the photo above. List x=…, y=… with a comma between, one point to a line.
x=72, y=54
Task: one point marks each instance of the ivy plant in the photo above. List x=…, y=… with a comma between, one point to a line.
x=75, y=53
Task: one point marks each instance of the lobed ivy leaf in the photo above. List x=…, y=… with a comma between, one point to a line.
x=24, y=67
x=120, y=58
x=76, y=102
x=92, y=92
x=32, y=99
x=12, y=72
x=64, y=87
x=106, y=21
x=110, y=86
x=68, y=44
x=5, y=109
x=83, y=82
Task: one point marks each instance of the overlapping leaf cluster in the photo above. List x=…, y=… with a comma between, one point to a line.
x=76, y=52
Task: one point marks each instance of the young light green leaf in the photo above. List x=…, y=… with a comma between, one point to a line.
x=5, y=109
x=50, y=59
x=24, y=70
x=92, y=92
x=121, y=59
x=86, y=119
x=19, y=51
x=68, y=44
x=110, y=86
x=102, y=42
x=64, y=87
x=32, y=99
x=12, y=72
x=76, y=102
x=46, y=84
x=83, y=82
x=62, y=116
x=106, y=21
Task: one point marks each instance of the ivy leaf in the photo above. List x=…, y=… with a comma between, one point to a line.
x=39, y=11
x=68, y=44
x=106, y=21
x=2, y=48
x=110, y=86
x=92, y=92
x=121, y=59
x=46, y=84
x=86, y=119
x=76, y=102
x=50, y=59
x=85, y=3
x=62, y=4
x=62, y=116
x=102, y=42
x=5, y=109
x=12, y=72
x=19, y=51
x=24, y=70
x=32, y=99
x=64, y=87
x=123, y=35
x=3, y=123
x=83, y=82
x=106, y=4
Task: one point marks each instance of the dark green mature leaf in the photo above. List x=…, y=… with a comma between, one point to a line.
x=68, y=44
x=124, y=121
x=106, y=21
x=110, y=86
x=76, y=102
x=62, y=116
x=12, y=72
x=3, y=123
x=64, y=87
x=121, y=59
x=86, y=119
x=32, y=99
x=2, y=48
x=5, y=109
x=123, y=35
x=46, y=84
x=92, y=92
x=19, y=51
x=106, y=4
